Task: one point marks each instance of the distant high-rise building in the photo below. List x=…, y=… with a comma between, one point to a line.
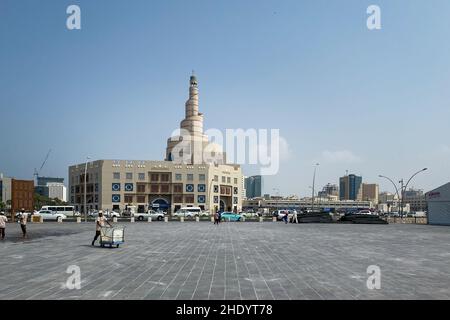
x=350, y=187
x=253, y=186
x=330, y=190
x=370, y=192
x=51, y=187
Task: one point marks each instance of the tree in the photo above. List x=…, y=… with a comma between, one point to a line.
x=2, y=205
x=40, y=201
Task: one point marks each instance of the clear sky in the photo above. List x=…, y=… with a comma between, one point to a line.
x=369, y=102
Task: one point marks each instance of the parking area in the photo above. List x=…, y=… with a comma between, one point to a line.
x=198, y=260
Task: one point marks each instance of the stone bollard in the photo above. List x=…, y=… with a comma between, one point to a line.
x=274, y=219
x=149, y=219
x=260, y=219
x=181, y=219
x=114, y=219
x=78, y=219
x=197, y=219
x=166, y=219
x=132, y=219
x=59, y=219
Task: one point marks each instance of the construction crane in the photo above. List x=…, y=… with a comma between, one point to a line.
x=36, y=172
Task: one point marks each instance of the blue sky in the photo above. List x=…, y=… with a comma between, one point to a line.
x=369, y=102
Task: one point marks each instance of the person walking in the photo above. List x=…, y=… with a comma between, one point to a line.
x=220, y=217
x=23, y=217
x=3, y=220
x=285, y=217
x=99, y=223
x=216, y=218
x=294, y=216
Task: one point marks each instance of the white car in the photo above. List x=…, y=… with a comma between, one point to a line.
x=108, y=214
x=50, y=215
x=155, y=215
x=185, y=213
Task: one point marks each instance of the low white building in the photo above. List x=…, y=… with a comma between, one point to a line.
x=57, y=190
x=439, y=205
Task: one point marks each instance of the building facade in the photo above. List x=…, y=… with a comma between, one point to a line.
x=416, y=200
x=5, y=189
x=194, y=173
x=22, y=195
x=253, y=186
x=350, y=187
x=52, y=188
x=370, y=192
x=165, y=185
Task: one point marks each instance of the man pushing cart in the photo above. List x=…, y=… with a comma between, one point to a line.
x=112, y=235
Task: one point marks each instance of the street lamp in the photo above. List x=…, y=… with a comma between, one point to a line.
x=278, y=194
x=313, y=185
x=85, y=175
x=400, y=195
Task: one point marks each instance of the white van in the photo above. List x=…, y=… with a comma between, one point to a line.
x=68, y=211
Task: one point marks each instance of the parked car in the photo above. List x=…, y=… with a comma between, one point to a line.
x=50, y=215
x=279, y=214
x=185, y=214
x=230, y=216
x=108, y=214
x=155, y=215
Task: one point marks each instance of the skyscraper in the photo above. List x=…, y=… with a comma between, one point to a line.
x=350, y=187
x=253, y=186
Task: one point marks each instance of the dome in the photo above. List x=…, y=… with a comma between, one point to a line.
x=213, y=147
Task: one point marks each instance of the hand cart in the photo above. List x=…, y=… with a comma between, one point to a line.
x=112, y=236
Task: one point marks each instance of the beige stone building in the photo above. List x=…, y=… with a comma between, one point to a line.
x=201, y=179
x=370, y=192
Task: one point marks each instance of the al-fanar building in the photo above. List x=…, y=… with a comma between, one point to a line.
x=193, y=174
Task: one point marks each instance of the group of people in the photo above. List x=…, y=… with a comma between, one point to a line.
x=294, y=217
x=22, y=216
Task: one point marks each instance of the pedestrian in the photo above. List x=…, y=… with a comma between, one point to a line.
x=294, y=216
x=3, y=220
x=23, y=217
x=216, y=218
x=220, y=216
x=285, y=218
x=99, y=223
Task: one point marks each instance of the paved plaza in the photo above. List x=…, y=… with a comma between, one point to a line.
x=246, y=260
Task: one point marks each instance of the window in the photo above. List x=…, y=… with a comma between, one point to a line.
x=154, y=188
x=189, y=188
x=165, y=177
x=216, y=199
x=201, y=177
x=201, y=199
x=165, y=188
x=128, y=199
x=190, y=177
x=72, y=189
x=115, y=187
x=178, y=198
x=116, y=175
x=216, y=188
x=129, y=187
x=116, y=198
x=228, y=180
x=141, y=176
x=189, y=199
x=223, y=179
x=141, y=199
x=201, y=188
x=178, y=188
x=129, y=176
x=235, y=200
x=141, y=188
x=216, y=178
x=154, y=177
x=235, y=190
x=235, y=180
x=96, y=187
x=178, y=177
